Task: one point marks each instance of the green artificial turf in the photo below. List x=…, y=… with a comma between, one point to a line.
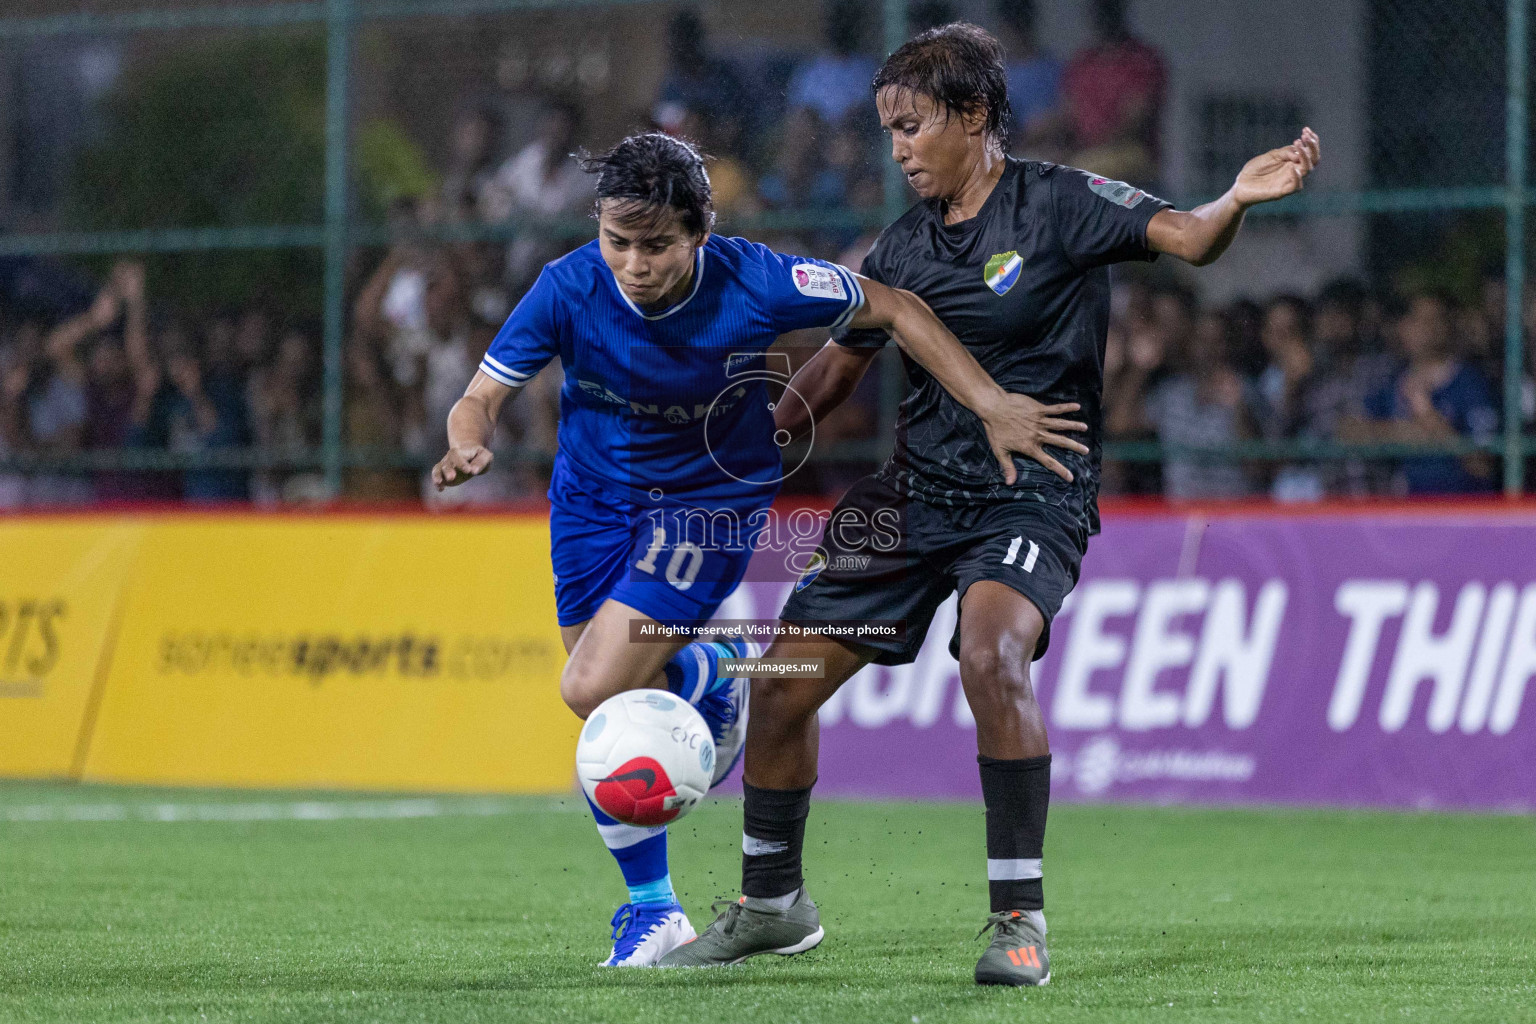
x=497, y=910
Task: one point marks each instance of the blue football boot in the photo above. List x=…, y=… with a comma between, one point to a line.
x=643, y=933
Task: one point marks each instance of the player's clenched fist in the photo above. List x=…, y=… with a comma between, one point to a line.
x=460, y=464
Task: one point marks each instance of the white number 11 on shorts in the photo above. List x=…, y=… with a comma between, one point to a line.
x=1029, y=559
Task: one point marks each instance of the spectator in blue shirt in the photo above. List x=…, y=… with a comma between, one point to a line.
x=1034, y=84
x=697, y=81
x=206, y=412
x=834, y=85
x=1438, y=396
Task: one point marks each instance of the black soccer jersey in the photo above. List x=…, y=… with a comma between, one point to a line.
x=1024, y=285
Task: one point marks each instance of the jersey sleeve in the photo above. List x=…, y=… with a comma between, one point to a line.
x=867, y=337
x=528, y=340
x=1102, y=221
x=801, y=292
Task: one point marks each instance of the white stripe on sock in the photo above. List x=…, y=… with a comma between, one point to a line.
x=618, y=836
x=1022, y=869
x=754, y=847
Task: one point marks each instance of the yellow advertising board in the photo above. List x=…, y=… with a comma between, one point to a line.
x=404, y=652
x=61, y=581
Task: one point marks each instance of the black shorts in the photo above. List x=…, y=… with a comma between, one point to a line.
x=884, y=556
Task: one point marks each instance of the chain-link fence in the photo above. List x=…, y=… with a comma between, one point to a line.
x=336, y=202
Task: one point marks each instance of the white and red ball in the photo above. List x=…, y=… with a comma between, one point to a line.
x=645, y=757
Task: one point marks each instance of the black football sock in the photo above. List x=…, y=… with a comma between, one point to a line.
x=1017, y=793
x=771, y=840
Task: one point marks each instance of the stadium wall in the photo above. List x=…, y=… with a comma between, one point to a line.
x=1359, y=657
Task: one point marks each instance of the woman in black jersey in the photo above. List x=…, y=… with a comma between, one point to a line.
x=1013, y=256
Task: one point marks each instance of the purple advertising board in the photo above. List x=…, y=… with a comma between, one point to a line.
x=1329, y=658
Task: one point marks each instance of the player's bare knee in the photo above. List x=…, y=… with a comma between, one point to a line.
x=581, y=705
x=996, y=673
x=581, y=688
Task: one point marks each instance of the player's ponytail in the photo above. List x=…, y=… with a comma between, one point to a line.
x=652, y=173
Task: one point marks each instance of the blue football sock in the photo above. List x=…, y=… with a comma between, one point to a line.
x=659, y=891
x=693, y=673
x=642, y=855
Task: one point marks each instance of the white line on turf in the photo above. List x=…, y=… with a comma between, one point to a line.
x=300, y=810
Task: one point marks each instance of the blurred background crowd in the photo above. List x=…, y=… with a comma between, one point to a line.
x=99, y=355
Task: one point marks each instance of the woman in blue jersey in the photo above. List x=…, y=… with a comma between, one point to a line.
x=667, y=455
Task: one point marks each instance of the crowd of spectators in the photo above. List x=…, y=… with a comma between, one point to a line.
x=118, y=367
x=1347, y=365
x=796, y=132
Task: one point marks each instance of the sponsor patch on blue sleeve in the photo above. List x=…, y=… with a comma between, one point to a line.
x=818, y=282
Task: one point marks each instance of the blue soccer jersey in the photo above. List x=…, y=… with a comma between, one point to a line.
x=667, y=403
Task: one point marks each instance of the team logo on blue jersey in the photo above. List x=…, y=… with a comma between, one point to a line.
x=813, y=569
x=1002, y=271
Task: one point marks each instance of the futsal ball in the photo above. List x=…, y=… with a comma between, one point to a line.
x=645, y=757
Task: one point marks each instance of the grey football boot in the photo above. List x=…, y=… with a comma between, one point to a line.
x=746, y=928
x=1017, y=954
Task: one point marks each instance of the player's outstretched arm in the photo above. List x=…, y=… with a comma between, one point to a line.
x=471, y=423
x=1014, y=423
x=824, y=382
x=1201, y=235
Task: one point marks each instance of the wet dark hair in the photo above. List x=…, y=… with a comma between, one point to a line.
x=960, y=67
x=650, y=174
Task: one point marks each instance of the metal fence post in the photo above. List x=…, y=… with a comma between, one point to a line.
x=895, y=197
x=1515, y=131
x=895, y=190
x=338, y=46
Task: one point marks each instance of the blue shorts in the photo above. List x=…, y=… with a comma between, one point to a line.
x=673, y=564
